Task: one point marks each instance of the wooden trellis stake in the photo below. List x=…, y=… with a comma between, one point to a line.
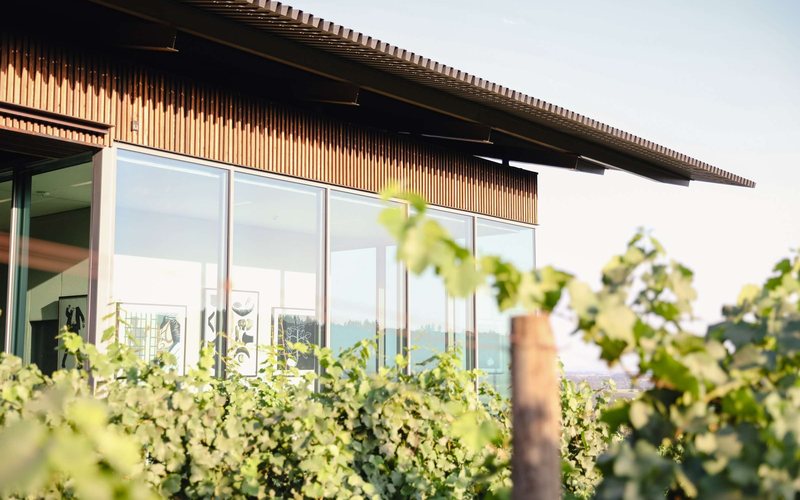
x=535, y=408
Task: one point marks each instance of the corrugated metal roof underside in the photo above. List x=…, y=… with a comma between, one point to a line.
x=307, y=29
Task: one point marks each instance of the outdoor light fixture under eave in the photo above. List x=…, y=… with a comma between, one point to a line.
x=589, y=166
x=147, y=36
x=325, y=92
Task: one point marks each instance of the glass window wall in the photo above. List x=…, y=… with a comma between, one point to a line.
x=169, y=271
x=367, y=282
x=169, y=252
x=53, y=262
x=277, y=273
x=438, y=322
x=515, y=244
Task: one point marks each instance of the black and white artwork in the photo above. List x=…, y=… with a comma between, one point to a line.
x=151, y=329
x=72, y=312
x=245, y=331
x=210, y=307
x=244, y=308
x=295, y=326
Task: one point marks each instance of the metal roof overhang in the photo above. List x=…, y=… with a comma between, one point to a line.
x=488, y=119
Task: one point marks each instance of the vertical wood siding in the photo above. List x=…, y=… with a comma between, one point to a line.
x=194, y=119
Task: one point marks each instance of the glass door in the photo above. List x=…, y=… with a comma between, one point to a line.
x=6, y=195
x=52, y=222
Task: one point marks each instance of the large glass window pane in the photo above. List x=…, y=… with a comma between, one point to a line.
x=277, y=277
x=515, y=244
x=168, y=254
x=53, y=271
x=437, y=321
x=366, y=289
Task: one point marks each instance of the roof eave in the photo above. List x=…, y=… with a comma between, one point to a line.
x=290, y=36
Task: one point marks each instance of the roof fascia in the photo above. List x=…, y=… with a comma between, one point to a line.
x=270, y=46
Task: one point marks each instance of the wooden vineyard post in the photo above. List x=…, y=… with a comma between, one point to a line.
x=535, y=410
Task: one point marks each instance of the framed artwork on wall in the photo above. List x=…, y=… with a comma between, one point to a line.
x=72, y=313
x=151, y=329
x=210, y=307
x=244, y=308
x=292, y=326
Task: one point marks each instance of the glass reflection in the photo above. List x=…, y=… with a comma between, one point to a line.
x=277, y=267
x=168, y=254
x=6, y=194
x=438, y=322
x=54, y=264
x=515, y=244
x=366, y=289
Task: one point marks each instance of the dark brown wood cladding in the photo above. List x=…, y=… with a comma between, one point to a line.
x=153, y=109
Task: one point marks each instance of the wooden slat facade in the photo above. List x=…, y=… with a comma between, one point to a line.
x=94, y=100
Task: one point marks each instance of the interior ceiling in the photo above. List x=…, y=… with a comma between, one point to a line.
x=51, y=192
x=8, y=159
x=61, y=190
x=19, y=148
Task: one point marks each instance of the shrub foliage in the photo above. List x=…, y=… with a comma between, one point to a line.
x=720, y=417
x=584, y=435
x=142, y=430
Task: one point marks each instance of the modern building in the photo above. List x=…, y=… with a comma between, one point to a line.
x=195, y=166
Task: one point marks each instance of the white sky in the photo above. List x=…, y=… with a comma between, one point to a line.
x=718, y=80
